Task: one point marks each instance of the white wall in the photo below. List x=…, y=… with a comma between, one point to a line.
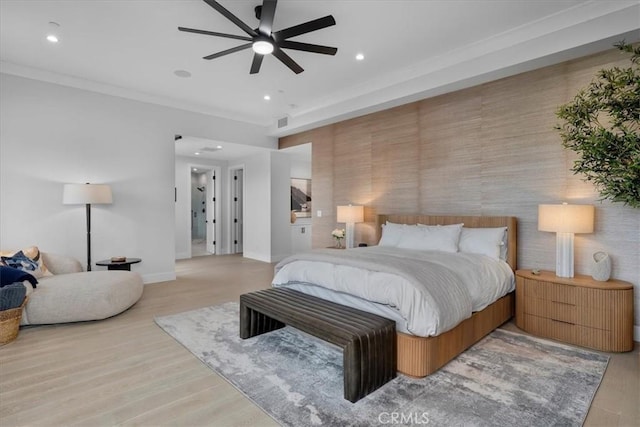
x=257, y=207
x=52, y=134
x=266, y=206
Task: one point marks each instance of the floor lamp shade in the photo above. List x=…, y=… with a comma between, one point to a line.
x=565, y=220
x=81, y=194
x=350, y=215
x=87, y=194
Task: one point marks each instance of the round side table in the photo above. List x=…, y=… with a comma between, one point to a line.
x=118, y=265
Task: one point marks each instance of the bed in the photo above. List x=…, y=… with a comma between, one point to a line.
x=456, y=314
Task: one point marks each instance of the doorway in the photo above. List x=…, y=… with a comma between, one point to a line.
x=204, y=210
x=199, y=212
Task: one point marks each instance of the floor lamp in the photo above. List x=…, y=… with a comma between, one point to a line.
x=87, y=194
x=350, y=215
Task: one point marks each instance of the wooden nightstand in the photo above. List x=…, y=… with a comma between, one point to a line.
x=576, y=310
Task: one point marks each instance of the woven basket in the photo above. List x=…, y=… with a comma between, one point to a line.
x=10, y=323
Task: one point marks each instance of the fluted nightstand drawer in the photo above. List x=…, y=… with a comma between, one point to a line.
x=551, y=292
x=571, y=313
x=551, y=310
x=597, y=339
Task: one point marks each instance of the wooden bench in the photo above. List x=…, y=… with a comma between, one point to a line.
x=368, y=341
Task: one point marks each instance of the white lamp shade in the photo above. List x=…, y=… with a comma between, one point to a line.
x=566, y=218
x=80, y=194
x=350, y=214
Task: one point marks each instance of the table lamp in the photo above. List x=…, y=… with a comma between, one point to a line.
x=87, y=194
x=350, y=215
x=565, y=220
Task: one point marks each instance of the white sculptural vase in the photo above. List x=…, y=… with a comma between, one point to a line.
x=601, y=266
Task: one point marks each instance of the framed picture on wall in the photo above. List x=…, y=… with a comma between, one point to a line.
x=301, y=197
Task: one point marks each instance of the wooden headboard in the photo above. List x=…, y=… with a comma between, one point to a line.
x=469, y=221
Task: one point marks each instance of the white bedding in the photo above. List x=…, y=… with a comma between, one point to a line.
x=429, y=292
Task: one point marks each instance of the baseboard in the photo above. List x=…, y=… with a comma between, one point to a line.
x=636, y=333
x=158, y=277
x=183, y=255
x=256, y=256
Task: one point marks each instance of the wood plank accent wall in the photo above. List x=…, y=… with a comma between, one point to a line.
x=487, y=150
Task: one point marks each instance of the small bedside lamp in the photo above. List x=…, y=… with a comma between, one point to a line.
x=565, y=220
x=350, y=215
x=87, y=194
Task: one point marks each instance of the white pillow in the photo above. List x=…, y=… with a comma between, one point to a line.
x=391, y=234
x=432, y=238
x=440, y=225
x=484, y=241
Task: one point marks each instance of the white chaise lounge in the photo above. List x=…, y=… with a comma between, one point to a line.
x=71, y=295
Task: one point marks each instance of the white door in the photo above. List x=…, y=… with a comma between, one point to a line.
x=211, y=212
x=236, y=211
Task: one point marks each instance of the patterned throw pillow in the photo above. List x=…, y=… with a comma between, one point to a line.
x=21, y=262
x=32, y=253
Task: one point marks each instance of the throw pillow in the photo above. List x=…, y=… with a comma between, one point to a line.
x=483, y=241
x=432, y=238
x=20, y=261
x=33, y=253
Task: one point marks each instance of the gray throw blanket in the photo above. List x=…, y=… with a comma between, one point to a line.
x=12, y=296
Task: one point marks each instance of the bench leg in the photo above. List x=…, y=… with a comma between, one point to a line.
x=254, y=323
x=352, y=365
x=369, y=363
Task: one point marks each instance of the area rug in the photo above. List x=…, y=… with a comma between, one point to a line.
x=507, y=379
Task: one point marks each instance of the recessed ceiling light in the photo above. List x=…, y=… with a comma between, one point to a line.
x=196, y=153
x=53, y=31
x=360, y=57
x=182, y=73
x=195, y=169
x=219, y=147
x=267, y=97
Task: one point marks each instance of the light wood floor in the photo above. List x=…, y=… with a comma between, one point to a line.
x=127, y=371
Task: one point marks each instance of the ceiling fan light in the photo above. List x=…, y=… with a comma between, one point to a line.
x=262, y=47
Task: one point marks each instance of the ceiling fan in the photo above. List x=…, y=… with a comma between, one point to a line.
x=264, y=41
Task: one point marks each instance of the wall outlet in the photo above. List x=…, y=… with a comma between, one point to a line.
x=319, y=213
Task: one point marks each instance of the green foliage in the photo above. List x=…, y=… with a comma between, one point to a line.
x=602, y=125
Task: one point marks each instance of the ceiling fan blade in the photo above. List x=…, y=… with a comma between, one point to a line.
x=231, y=17
x=307, y=27
x=228, y=51
x=306, y=47
x=211, y=33
x=266, y=18
x=286, y=60
x=257, y=62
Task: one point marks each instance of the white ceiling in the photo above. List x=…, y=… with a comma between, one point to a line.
x=413, y=49
x=188, y=146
